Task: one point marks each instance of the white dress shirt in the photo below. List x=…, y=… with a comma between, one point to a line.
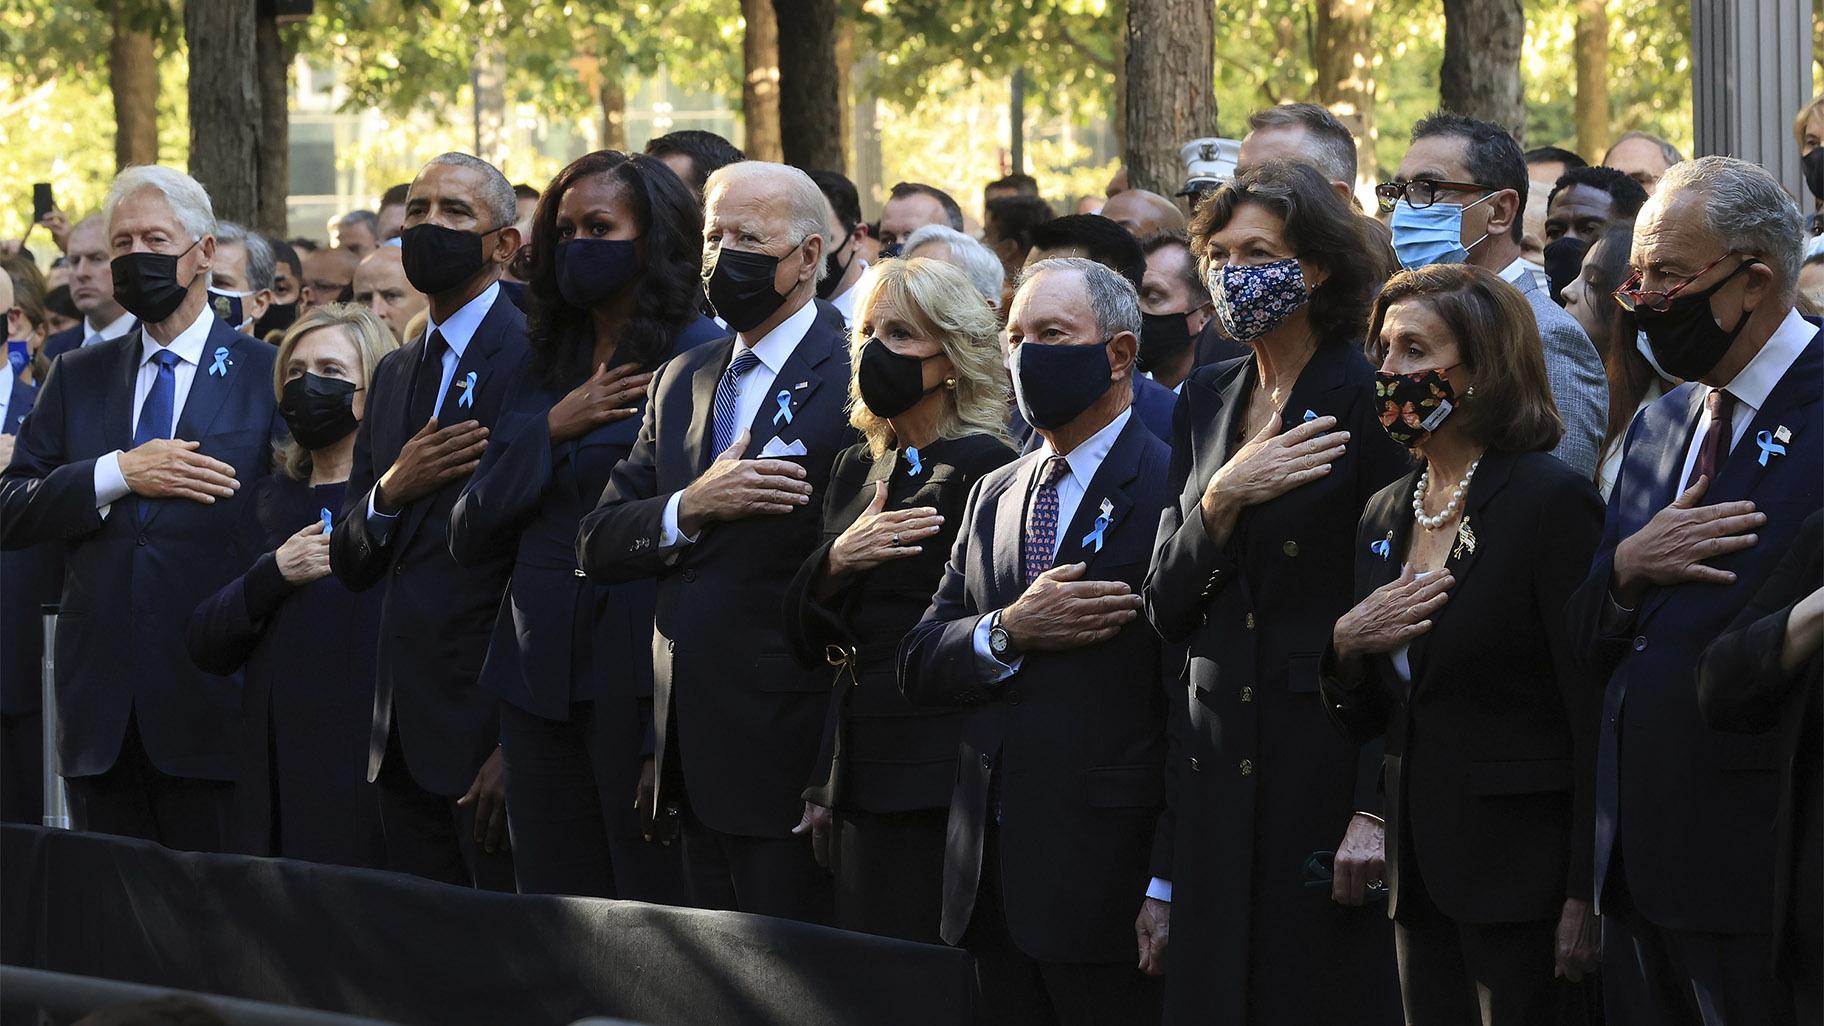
x=1751, y=386
x=845, y=303
x=120, y=326
x=773, y=349
x=110, y=484
x=6, y=391
x=458, y=332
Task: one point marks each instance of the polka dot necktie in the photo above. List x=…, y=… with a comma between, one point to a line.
x=1042, y=519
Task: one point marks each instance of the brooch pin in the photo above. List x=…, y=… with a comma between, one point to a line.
x=912, y=458
x=1103, y=520
x=1770, y=443
x=1382, y=548
x=220, y=367
x=1310, y=415
x=468, y=391
x=784, y=399
x=1466, y=540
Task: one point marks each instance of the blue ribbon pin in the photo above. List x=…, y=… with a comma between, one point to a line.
x=912, y=458
x=784, y=399
x=1103, y=520
x=1382, y=548
x=468, y=391
x=1310, y=415
x=1769, y=447
x=329, y=519
x=220, y=367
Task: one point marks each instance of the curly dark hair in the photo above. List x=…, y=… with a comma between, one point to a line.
x=1319, y=229
x=667, y=288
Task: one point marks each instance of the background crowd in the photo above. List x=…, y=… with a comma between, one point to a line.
x=1200, y=608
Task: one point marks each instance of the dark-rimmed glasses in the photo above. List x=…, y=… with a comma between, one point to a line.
x=1421, y=192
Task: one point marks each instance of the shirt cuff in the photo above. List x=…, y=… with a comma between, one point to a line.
x=110, y=483
x=991, y=669
x=669, y=535
x=1159, y=890
x=379, y=524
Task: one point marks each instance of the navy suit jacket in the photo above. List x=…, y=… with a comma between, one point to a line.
x=437, y=615
x=726, y=688
x=64, y=341
x=1077, y=738
x=1690, y=809
x=133, y=577
x=29, y=579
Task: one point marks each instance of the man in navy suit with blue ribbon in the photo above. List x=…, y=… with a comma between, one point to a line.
x=137, y=458
x=1715, y=479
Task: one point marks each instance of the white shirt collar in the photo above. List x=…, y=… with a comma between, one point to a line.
x=844, y=302
x=1754, y=383
x=188, y=344
x=1087, y=457
x=776, y=346
x=462, y=325
x=1512, y=272
x=118, y=327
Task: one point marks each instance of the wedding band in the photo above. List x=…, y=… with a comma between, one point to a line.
x=895, y=539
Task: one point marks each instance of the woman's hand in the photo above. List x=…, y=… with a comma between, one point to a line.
x=878, y=536
x=305, y=556
x=1268, y=466
x=1392, y=615
x=1579, y=947
x=608, y=396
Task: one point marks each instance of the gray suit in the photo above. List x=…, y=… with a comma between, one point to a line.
x=1580, y=387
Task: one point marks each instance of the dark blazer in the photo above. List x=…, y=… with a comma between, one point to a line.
x=1074, y=742
x=30, y=578
x=1697, y=802
x=64, y=341
x=18, y=404
x=437, y=616
x=132, y=577
x=1741, y=687
x=1491, y=752
x=725, y=686
x=1260, y=780
x=880, y=752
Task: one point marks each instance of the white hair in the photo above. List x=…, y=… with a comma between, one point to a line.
x=977, y=261
x=1111, y=297
x=807, y=207
x=1744, y=210
x=185, y=195
x=496, y=192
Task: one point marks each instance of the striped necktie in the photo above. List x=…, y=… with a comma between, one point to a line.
x=728, y=398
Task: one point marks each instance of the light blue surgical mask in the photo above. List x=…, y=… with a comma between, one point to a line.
x=1423, y=236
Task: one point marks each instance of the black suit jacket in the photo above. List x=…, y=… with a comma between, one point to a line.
x=1491, y=752
x=437, y=616
x=726, y=689
x=132, y=577
x=30, y=579
x=1074, y=740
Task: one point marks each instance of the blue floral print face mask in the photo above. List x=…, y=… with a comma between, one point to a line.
x=1253, y=300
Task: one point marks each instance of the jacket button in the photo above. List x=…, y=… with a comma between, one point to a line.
x=671, y=646
x=1640, y=643
x=141, y=539
x=1247, y=767
x=987, y=763
x=1247, y=694
x=1203, y=619
x=1249, y=622
x=1290, y=548
x=579, y=572
x=398, y=569
x=690, y=576
x=1013, y=695
x=1195, y=766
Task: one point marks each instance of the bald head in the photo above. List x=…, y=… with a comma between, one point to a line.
x=1143, y=213
x=381, y=286
x=327, y=273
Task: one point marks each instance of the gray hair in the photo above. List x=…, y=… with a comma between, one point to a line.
x=261, y=265
x=977, y=261
x=806, y=206
x=187, y=197
x=1745, y=210
x=496, y=192
x=1335, y=151
x=1111, y=297
x=1666, y=149
x=369, y=218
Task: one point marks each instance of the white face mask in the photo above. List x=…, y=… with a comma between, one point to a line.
x=1640, y=343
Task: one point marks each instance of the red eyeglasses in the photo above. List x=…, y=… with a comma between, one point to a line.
x=1632, y=297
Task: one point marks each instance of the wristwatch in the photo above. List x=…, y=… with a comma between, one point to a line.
x=999, y=644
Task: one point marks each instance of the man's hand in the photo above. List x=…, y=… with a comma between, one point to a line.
x=170, y=468
x=489, y=796
x=878, y=536
x=816, y=820
x=58, y=225
x=429, y=460
x=1153, y=932
x=305, y=556
x=1268, y=466
x=1361, y=860
x=1579, y=947
x=6, y=449
x=1672, y=548
x=606, y=397
x=735, y=489
x=1061, y=611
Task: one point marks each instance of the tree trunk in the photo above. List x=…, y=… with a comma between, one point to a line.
x=1592, y=50
x=1480, y=75
x=273, y=66
x=613, y=97
x=810, y=135
x=845, y=70
x=1170, y=68
x=490, y=85
x=225, y=106
x=866, y=171
x=1343, y=51
x=133, y=79
x=760, y=82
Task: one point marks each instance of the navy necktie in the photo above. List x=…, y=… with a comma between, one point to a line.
x=157, y=413
x=728, y=399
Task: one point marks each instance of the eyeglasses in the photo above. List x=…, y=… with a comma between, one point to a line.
x=1632, y=297
x=1421, y=192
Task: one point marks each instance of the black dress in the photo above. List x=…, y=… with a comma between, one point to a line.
x=887, y=767
x=308, y=657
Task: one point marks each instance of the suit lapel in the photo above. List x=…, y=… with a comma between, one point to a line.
x=1491, y=476
x=792, y=389
x=1232, y=395
x=120, y=409
x=209, y=389
x=1109, y=486
x=699, y=438
x=1010, y=530
x=1743, y=472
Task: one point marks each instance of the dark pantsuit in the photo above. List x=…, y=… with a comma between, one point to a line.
x=561, y=794
x=134, y=799
x=429, y=835
x=1659, y=976
x=1018, y=990
x=769, y=876
x=22, y=768
x=890, y=873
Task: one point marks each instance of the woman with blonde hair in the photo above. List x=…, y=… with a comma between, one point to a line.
x=304, y=643
x=929, y=396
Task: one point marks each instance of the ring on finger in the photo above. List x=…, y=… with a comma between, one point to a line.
x=895, y=539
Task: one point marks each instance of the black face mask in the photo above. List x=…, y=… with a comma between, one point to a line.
x=592, y=271
x=437, y=259
x=319, y=411
x=1685, y=338
x=1563, y=263
x=890, y=382
x=146, y=284
x=1814, y=171
x=1163, y=338
x=832, y=274
x=1054, y=384
x=278, y=317
x=740, y=286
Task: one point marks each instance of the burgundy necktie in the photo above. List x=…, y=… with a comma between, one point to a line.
x=1714, y=448
x=1042, y=520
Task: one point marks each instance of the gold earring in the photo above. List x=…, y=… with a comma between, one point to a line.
x=949, y=382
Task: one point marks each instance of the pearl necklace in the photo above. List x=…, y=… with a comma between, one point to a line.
x=1431, y=523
